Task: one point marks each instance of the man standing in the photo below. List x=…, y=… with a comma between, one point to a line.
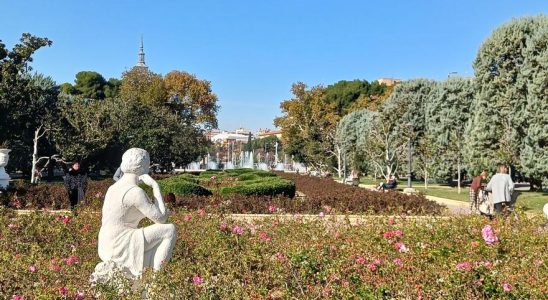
x=502, y=187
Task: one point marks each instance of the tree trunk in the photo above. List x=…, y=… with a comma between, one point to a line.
x=34, y=156
x=458, y=178
x=425, y=180
x=339, y=158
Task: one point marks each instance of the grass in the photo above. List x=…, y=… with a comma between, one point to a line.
x=529, y=201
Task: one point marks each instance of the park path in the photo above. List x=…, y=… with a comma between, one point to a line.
x=454, y=207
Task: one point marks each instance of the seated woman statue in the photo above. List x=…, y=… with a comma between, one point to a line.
x=122, y=245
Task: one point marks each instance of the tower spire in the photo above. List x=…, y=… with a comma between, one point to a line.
x=141, y=62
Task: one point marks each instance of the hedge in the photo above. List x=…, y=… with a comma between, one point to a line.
x=267, y=187
x=182, y=187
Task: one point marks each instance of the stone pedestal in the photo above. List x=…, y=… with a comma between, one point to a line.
x=4, y=177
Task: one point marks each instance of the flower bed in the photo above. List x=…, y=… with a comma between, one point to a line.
x=325, y=191
x=47, y=256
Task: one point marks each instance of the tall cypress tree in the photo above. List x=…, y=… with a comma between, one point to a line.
x=499, y=124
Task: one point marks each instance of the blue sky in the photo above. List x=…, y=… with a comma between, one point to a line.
x=252, y=51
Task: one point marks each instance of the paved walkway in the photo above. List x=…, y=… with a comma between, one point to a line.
x=454, y=207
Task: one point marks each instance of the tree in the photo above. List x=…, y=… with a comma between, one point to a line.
x=189, y=92
x=112, y=88
x=142, y=85
x=23, y=101
x=67, y=89
x=534, y=155
x=84, y=128
x=308, y=125
x=90, y=85
x=506, y=72
x=448, y=113
x=350, y=96
x=353, y=136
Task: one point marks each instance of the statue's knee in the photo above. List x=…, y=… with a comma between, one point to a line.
x=171, y=231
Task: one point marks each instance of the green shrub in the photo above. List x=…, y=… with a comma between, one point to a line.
x=183, y=187
x=266, y=187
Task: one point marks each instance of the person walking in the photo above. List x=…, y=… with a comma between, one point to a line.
x=76, y=183
x=501, y=186
x=474, y=191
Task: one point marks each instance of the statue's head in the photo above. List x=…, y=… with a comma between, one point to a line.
x=135, y=161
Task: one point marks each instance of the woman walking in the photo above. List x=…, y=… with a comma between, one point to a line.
x=76, y=183
x=502, y=187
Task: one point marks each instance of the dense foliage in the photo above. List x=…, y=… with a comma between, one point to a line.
x=50, y=256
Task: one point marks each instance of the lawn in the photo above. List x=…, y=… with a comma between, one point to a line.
x=527, y=200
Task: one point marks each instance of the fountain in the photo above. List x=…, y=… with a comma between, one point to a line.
x=229, y=165
x=262, y=166
x=193, y=166
x=211, y=165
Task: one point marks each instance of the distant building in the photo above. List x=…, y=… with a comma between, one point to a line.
x=263, y=133
x=389, y=81
x=225, y=137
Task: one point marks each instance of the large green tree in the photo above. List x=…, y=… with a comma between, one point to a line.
x=25, y=99
x=90, y=85
x=448, y=113
x=534, y=155
x=505, y=69
x=308, y=124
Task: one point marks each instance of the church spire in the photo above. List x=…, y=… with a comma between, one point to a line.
x=141, y=62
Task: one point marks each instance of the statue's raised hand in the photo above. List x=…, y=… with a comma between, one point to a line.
x=146, y=179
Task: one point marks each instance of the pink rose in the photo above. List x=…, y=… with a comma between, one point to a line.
x=63, y=290
x=17, y=297
x=79, y=295
x=322, y=214
x=360, y=260
x=71, y=260
x=223, y=227
x=32, y=269
x=272, y=209
x=197, y=280
x=401, y=247
x=391, y=221
x=398, y=262
x=264, y=237
x=464, y=266
x=506, y=287
x=489, y=235
x=238, y=230
x=187, y=217
x=11, y=225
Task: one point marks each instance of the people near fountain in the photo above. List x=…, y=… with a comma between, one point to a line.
x=475, y=188
x=118, y=174
x=122, y=245
x=76, y=182
x=390, y=184
x=501, y=187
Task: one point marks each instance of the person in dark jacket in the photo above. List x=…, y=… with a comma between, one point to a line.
x=76, y=183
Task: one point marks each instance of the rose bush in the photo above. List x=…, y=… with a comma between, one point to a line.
x=50, y=256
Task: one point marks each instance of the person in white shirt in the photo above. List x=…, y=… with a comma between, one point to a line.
x=501, y=186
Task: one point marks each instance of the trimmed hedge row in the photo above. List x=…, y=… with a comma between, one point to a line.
x=268, y=186
x=183, y=185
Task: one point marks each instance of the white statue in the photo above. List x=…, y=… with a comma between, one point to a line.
x=122, y=245
x=4, y=177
